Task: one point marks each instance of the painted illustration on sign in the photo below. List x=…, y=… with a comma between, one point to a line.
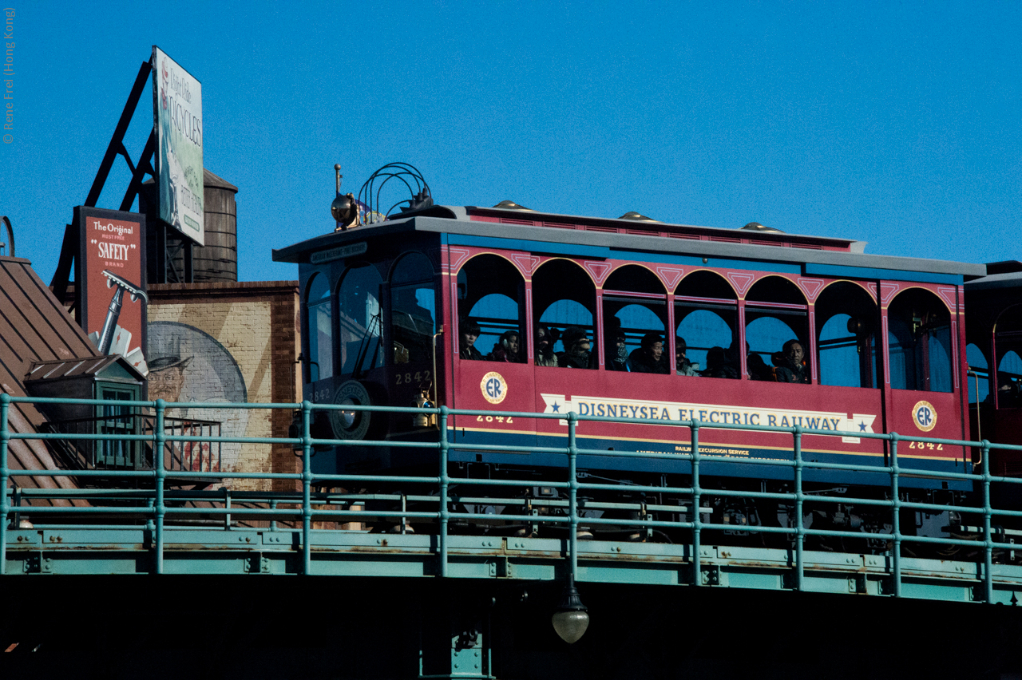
x=177, y=114
x=186, y=364
x=111, y=268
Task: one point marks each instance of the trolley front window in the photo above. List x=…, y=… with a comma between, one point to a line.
x=319, y=308
x=358, y=319
x=413, y=310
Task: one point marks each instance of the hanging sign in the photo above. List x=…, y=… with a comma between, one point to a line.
x=110, y=278
x=177, y=118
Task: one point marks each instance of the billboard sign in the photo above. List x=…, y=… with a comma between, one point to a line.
x=110, y=278
x=177, y=119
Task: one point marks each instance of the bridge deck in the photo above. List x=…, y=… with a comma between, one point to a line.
x=78, y=551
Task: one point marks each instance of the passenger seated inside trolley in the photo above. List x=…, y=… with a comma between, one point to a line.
x=633, y=315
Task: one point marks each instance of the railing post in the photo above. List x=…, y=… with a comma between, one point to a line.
x=227, y=503
x=445, y=481
x=799, y=529
x=697, y=516
x=5, y=508
x=306, y=488
x=161, y=474
x=572, y=496
x=988, y=568
x=896, y=515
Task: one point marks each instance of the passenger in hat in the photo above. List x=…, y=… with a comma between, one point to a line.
x=649, y=357
x=545, y=339
x=469, y=335
x=617, y=351
x=577, y=349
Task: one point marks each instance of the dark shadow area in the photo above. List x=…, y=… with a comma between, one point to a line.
x=281, y=627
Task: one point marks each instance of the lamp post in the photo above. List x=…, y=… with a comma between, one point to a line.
x=571, y=618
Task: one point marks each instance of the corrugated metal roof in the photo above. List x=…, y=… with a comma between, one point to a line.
x=34, y=327
x=75, y=367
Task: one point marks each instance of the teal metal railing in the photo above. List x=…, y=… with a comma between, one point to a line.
x=151, y=502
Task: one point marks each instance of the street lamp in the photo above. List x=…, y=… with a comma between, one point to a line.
x=571, y=618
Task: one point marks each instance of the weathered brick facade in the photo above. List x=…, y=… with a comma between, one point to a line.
x=230, y=333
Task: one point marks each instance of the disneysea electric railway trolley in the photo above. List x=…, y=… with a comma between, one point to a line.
x=884, y=342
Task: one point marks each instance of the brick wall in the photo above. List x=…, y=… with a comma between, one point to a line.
x=233, y=333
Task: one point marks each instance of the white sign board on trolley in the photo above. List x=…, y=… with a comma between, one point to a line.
x=177, y=118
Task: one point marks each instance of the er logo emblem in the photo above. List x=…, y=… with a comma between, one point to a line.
x=924, y=416
x=494, y=387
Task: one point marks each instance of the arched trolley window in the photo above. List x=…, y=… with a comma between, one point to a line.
x=412, y=310
x=564, y=302
x=359, y=326
x=1008, y=357
x=777, y=331
x=919, y=336
x=635, y=319
x=979, y=374
x=846, y=325
x=491, y=296
x=319, y=328
x=706, y=318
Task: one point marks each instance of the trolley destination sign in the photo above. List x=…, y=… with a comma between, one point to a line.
x=711, y=413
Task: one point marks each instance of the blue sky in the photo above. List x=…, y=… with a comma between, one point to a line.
x=893, y=123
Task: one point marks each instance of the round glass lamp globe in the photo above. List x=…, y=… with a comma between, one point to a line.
x=570, y=625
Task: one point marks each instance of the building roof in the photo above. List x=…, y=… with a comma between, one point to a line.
x=211, y=180
x=77, y=367
x=34, y=327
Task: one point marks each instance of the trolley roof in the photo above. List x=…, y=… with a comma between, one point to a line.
x=532, y=231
